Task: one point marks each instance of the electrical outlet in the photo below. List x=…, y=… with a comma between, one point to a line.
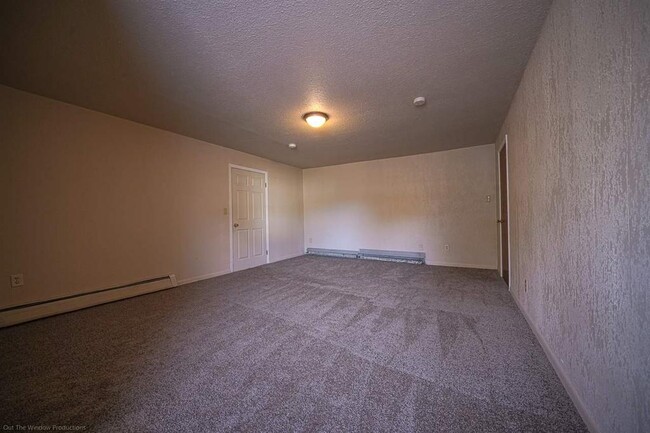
x=446, y=248
x=310, y=240
x=488, y=198
x=17, y=280
x=421, y=246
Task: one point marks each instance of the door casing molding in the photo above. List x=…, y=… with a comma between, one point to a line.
x=504, y=144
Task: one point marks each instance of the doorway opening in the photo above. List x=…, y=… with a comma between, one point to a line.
x=249, y=222
x=503, y=221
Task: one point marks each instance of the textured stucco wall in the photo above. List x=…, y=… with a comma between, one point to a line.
x=579, y=137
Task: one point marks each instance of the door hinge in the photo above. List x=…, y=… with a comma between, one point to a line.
x=267, y=252
x=266, y=185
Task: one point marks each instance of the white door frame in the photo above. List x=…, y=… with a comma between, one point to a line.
x=266, y=207
x=504, y=144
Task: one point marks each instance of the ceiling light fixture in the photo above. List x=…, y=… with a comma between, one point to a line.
x=292, y=146
x=419, y=101
x=315, y=119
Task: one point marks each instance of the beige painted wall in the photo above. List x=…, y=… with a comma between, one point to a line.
x=93, y=201
x=579, y=137
x=413, y=203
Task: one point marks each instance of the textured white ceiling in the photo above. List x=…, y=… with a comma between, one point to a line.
x=240, y=74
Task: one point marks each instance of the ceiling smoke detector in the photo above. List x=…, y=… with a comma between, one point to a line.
x=419, y=101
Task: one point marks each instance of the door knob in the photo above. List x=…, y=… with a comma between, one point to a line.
x=236, y=225
x=500, y=221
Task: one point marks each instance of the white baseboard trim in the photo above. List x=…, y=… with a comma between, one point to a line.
x=21, y=314
x=202, y=277
x=557, y=366
x=287, y=257
x=460, y=265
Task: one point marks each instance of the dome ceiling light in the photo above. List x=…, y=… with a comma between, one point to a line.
x=315, y=119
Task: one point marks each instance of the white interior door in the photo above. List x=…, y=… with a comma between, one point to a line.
x=248, y=218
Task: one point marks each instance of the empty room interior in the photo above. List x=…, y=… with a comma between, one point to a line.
x=325, y=216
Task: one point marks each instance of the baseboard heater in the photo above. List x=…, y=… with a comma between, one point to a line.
x=37, y=310
x=416, y=258
x=333, y=253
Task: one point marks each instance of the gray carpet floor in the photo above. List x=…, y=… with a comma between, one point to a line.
x=307, y=344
